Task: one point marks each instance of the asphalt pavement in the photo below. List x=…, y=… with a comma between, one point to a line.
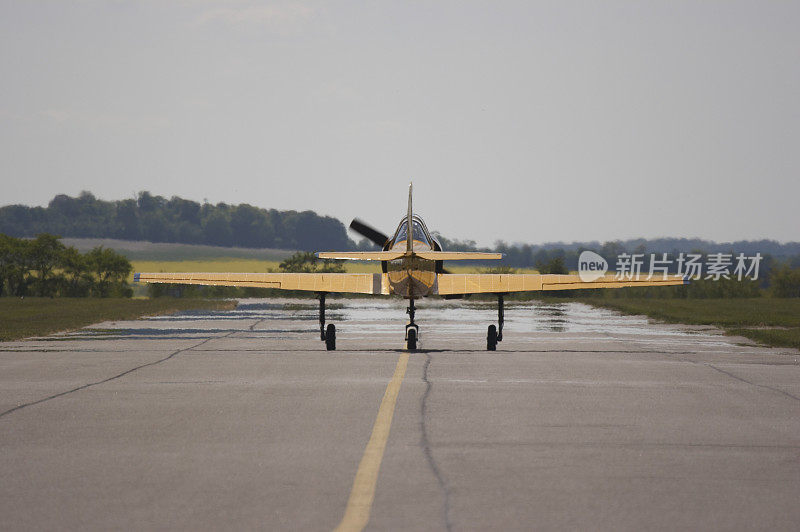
x=582, y=419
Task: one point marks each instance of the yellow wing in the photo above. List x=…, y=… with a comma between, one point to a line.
x=355, y=283
x=456, y=283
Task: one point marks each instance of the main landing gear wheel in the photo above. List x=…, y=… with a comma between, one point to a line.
x=411, y=341
x=491, y=338
x=330, y=337
x=495, y=333
x=327, y=335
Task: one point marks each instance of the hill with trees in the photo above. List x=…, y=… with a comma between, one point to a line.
x=158, y=219
x=177, y=220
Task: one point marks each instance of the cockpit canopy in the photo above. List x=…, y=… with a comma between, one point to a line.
x=421, y=238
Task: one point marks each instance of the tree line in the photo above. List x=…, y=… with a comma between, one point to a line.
x=45, y=267
x=158, y=219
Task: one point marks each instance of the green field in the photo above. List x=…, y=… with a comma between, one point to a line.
x=163, y=251
x=32, y=316
x=767, y=320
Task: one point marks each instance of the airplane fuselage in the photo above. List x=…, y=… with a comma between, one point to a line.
x=411, y=276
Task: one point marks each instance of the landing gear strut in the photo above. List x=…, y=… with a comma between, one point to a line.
x=500, y=317
x=327, y=335
x=495, y=334
x=412, y=329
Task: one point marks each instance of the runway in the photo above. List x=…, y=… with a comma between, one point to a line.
x=583, y=419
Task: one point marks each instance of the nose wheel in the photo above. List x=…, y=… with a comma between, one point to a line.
x=495, y=333
x=412, y=329
x=411, y=338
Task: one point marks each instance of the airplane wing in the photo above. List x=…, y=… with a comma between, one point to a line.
x=479, y=283
x=354, y=283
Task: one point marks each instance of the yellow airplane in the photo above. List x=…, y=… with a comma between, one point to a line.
x=411, y=263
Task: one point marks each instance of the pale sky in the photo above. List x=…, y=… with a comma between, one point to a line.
x=523, y=121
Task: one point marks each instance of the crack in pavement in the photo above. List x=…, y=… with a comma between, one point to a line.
x=426, y=445
x=787, y=394
x=678, y=356
x=252, y=327
x=126, y=372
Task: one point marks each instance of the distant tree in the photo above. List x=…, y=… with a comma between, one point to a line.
x=457, y=245
x=50, y=268
x=156, y=227
x=366, y=245
x=217, y=228
x=18, y=279
x=554, y=265
x=110, y=271
x=251, y=227
x=127, y=221
x=611, y=250
x=149, y=203
x=11, y=271
x=785, y=281
x=44, y=254
x=306, y=262
x=76, y=280
x=18, y=220
x=311, y=232
x=184, y=210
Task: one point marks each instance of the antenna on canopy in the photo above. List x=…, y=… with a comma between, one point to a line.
x=410, y=226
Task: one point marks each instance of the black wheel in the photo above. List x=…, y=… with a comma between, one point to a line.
x=330, y=337
x=411, y=343
x=491, y=338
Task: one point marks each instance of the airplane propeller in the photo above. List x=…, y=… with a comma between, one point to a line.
x=371, y=234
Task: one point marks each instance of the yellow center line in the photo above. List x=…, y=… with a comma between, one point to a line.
x=360, y=502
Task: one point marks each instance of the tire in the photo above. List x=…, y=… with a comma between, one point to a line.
x=330, y=337
x=411, y=343
x=491, y=338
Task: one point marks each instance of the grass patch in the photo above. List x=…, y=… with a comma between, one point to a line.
x=735, y=312
x=164, y=251
x=32, y=316
x=770, y=321
x=776, y=337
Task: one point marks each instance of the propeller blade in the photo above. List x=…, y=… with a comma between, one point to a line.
x=373, y=235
